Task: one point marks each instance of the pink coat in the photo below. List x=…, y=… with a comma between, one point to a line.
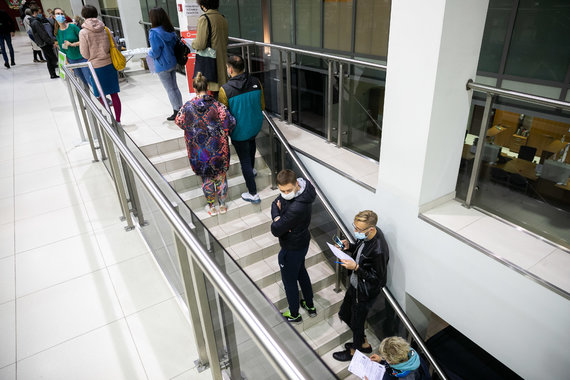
x=94, y=43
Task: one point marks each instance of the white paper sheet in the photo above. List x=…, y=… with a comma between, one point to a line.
x=361, y=366
x=338, y=253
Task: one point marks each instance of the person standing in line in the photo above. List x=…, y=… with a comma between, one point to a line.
x=94, y=45
x=44, y=41
x=162, y=39
x=219, y=26
x=243, y=95
x=7, y=31
x=68, y=41
x=368, y=277
x=291, y=215
x=206, y=124
x=38, y=57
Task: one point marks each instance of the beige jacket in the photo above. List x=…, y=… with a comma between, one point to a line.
x=94, y=43
x=219, y=43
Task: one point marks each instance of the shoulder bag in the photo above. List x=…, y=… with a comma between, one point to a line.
x=118, y=59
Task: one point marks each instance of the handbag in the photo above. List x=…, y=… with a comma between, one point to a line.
x=206, y=59
x=118, y=59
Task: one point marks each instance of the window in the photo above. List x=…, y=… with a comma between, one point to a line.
x=308, y=22
x=338, y=24
x=372, y=27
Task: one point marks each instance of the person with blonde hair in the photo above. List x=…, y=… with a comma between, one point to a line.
x=207, y=124
x=401, y=361
x=368, y=276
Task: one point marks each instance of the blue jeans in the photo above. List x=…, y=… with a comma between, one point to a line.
x=83, y=72
x=8, y=38
x=246, y=153
x=168, y=79
x=292, y=266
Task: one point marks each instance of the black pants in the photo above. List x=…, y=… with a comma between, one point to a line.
x=51, y=59
x=38, y=55
x=354, y=314
x=6, y=38
x=246, y=153
x=292, y=266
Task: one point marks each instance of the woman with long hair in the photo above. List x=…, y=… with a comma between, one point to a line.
x=95, y=46
x=162, y=40
x=67, y=36
x=207, y=124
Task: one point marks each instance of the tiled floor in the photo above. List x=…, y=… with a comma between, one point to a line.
x=79, y=297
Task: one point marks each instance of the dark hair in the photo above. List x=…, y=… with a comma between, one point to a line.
x=286, y=177
x=158, y=17
x=34, y=9
x=236, y=62
x=200, y=83
x=209, y=4
x=89, y=11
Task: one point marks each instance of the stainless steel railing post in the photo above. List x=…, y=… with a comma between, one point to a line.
x=479, y=152
x=118, y=179
x=95, y=126
x=338, y=268
x=190, y=295
x=289, y=101
x=87, y=128
x=330, y=92
x=272, y=153
x=280, y=90
x=74, y=106
x=340, y=99
x=248, y=59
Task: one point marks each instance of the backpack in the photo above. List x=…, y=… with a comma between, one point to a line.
x=181, y=51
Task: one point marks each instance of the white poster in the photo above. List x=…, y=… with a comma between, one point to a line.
x=192, y=11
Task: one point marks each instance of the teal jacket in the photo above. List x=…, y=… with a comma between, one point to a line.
x=243, y=95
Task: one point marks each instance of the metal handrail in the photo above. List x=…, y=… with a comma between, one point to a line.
x=337, y=219
x=280, y=356
x=535, y=99
x=413, y=331
x=326, y=56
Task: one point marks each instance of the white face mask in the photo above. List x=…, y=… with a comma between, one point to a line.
x=288, y=196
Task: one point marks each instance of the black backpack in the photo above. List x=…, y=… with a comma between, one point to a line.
x=181, y=51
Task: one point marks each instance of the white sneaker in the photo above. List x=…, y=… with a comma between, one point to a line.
x=211, y=210
x=251, y=198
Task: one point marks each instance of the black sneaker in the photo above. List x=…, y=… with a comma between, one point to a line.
x=13, y=63
x=367, y=350
x=287, y=315
x=312, y=310
x=6, y=65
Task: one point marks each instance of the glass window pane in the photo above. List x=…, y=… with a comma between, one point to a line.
x=229, y=9
x=281, y=22
x=539, y=46
x=338, y=24
x=494, y=34
x=308, y=19
x=372, y=27
x=250, y=19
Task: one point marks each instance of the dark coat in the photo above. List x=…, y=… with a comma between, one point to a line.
x=6, y=24
x=41, y=36
x=372, y=266
x=292, y=228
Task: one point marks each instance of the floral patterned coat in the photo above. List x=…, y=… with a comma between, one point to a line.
x=206, y=124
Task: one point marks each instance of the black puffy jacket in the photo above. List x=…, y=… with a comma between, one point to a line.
x=372, y=266
x=292, y=228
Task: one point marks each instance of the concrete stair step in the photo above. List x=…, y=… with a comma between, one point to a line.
x=236, y=186
x=241, y=229
x=168, y=146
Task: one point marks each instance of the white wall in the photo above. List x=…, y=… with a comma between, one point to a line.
x=131, y=14
x=433, y=50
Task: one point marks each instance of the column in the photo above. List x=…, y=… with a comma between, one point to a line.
x=131, y=14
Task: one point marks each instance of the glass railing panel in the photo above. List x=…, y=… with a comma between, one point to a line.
x=525, y=168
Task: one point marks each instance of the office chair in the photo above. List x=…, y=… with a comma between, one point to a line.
x=527, y=153
x=518, y=182
x=500, y=176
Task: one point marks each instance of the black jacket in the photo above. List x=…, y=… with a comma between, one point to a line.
x=292, y=228
x=41, y=36
x=372, y=266
x=6, y=24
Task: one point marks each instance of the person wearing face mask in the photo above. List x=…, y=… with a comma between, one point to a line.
x=44, y=39
x=291, y=215
x=367, y=278
x=68, y=41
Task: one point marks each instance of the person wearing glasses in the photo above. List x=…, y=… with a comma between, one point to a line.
x=368, y=272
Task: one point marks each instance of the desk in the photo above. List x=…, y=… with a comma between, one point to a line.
x=494, y=131
x=519, y=166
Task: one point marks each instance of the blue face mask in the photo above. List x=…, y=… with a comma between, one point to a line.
x=60, y=18
x=40, y=15
x=359, y=235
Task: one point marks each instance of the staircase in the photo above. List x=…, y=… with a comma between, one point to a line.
x=244, y=231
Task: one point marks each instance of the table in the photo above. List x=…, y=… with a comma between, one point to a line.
x=519, y=166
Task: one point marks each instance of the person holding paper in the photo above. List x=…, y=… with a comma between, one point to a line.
x=401, y=361
x=369, y=271
x=291, y=215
